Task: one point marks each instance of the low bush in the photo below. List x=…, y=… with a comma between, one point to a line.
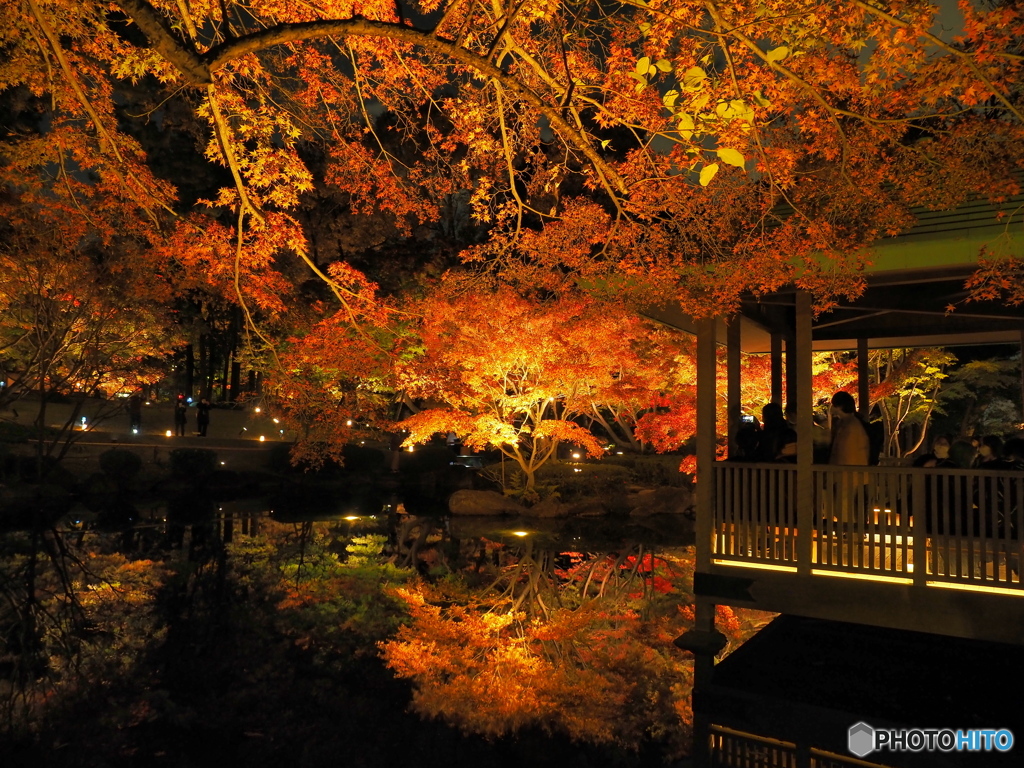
x=582, y=479
x=120, y=464
x=193, y=462
x=12, y=432
x=652, y=470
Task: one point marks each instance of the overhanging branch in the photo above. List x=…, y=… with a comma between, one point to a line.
x=166, y=42
x=199, y=69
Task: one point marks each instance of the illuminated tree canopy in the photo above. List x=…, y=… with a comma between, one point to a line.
x=639, y=152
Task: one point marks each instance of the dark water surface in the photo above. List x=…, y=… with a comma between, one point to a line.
x=217, y=686
x=214, y=684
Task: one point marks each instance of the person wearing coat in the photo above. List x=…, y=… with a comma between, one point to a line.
x=850, y=448
x=203, y=416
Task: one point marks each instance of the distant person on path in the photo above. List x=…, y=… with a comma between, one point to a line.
x=180, y=418
x=203, y=416
x=397, y=438
x=135, y=412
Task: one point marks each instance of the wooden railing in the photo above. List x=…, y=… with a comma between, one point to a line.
x=729, y=748
x=937, y=527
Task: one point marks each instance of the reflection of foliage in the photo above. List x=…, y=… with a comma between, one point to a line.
x=68, y=619
x=325, y=598
x=570, y=643
x=563, y=642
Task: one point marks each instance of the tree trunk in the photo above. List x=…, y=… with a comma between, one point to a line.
x=190, y=371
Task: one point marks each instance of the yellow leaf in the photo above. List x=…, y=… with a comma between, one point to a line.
x=731, y=156
x=778, y=54
x=694, y=77
x=707, y=173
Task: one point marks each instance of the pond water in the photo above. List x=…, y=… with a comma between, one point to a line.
x=258, y=619
x=206, y=631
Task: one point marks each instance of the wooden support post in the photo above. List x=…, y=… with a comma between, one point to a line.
x=805, y=433
x=791, y=374
x=776, y=368
x=703, y=640
x=1022, y=375
x=863, y=404
x=920, y=526
x=706, y=410
x=732, y=375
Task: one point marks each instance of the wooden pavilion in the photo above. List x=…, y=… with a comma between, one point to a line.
x=928, y=550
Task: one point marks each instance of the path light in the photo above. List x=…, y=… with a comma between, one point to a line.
x=576, y=469
x=222, y=463
x=263, y=439
x=575, y=455
x=168, y=433
x=257, y=409
x=348, y=423
x=350, y=518
x=277, y=421
x=520, y=534
x=411, y=447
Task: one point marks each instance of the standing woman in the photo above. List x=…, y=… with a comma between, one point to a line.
x=203, y=416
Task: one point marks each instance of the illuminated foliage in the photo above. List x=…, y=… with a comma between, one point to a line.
x=667, y=151
x=517, y=374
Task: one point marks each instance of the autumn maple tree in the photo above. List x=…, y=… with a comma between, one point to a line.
x=76, y=319
x=642, y=152
x=509, y=372
x=624, y=134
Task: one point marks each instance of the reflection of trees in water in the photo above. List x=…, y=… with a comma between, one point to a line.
x=71, y=611
x=568, y=641
x=500, y=636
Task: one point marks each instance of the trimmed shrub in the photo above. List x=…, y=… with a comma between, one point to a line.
x=120, y=464
x=11, y=432
x=193, y=462
x=360, y=458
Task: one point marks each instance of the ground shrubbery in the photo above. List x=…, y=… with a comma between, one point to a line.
x=193, y=463
x=607, y=477
x=120, y=464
